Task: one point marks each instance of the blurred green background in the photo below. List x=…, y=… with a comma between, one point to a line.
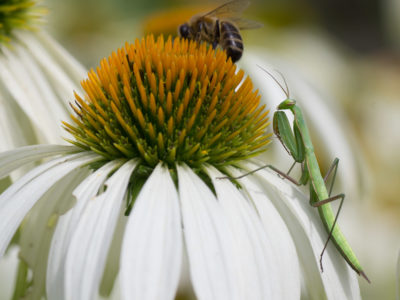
x=350, y=50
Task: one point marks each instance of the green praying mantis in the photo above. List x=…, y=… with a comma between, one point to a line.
x=298, y=144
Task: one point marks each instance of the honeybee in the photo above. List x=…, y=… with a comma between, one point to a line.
x=220, y=27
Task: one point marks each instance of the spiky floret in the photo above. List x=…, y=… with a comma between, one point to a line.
x=173, y=101
x=18, y=14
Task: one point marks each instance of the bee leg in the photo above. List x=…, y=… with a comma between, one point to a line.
x=216, y=35
x=198, y=35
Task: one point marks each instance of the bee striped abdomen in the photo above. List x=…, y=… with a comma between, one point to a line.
x=231, y=40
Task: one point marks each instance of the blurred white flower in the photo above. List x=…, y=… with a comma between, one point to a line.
x=37, y=77
x=160, y=123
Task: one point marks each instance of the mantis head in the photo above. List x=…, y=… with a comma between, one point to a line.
x=287, y=104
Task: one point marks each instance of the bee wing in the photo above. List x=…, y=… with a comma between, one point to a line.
x=229, y=10
x=246, y=24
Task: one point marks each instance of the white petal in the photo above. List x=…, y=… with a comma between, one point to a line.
x=38, y=227
x=152, y=247
x=40, y=76
x=19, y=198
x=64, y=84
x=16, y=158
x=210, y=246
x=269, y=261
x=109, y=281
x=67, y=225
x=311, y=278
x=338, y=279
x=22, y=85
x=64, y=58
x=18, y=90
x=257, y=271
x=15, y=121
x=91, y=240
x=10, y=130
x=280, y=240
x=58, y=108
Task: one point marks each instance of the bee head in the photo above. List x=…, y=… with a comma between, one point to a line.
x=183, y=30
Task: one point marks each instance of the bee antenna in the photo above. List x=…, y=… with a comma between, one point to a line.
x=286, y=91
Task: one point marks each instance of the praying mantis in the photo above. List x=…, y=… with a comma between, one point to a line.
x=298, y=144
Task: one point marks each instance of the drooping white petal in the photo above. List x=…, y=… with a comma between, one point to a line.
x=213, y=258
x=19, y=198
x=338, y=279
x=22, y=85
x=11, y=131
x=259, y=276
x=312, y=285
x=48, y=96
x=152, y=247
x=64, y=84
x=91, y=239
x=19, y=91
x=109, y=282
x=36, y=231
x=280, y=240
x=66, y=226
x=39, y=75
x=66, y=61
x=16, y=158
x=269, y=261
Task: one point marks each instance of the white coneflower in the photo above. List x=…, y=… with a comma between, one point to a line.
x=158, y=123
x=36, y=77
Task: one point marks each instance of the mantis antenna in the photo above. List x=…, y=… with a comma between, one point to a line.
x=286, y=91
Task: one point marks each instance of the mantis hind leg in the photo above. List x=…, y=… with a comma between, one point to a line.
x=291, y=168
x=330, y=199
x=332, y=168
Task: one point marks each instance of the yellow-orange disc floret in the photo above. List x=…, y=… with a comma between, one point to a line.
x=173, y=101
